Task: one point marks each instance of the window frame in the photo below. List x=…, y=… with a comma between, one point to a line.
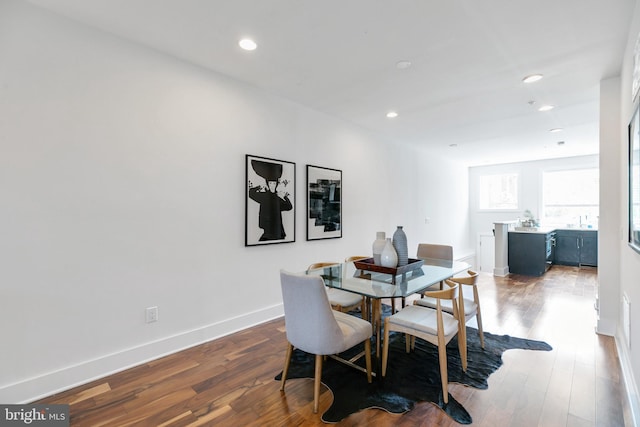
x=541, y=201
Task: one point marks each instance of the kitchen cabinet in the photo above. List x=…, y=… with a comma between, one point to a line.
x=530, y=253
x=576, y=247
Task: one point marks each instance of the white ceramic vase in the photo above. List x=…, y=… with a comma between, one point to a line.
x=378, y=246
x=389, y=257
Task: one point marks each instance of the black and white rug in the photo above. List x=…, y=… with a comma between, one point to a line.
x=411, y=377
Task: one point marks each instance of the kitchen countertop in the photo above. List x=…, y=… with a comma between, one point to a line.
x=545, y=230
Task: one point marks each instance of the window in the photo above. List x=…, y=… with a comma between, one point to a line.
x=499, y=192
x=570, y=197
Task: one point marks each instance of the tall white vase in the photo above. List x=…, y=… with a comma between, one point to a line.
x=388, y=258
x=378, y=246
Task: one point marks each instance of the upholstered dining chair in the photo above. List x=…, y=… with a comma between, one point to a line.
x=341, y=300
x=434, y=251
x=434, y=326
x=469, y=307
x=316, y=328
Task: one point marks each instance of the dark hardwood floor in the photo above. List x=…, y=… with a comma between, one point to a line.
x=230, y=381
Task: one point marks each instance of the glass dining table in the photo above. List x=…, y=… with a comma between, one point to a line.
x=376, y=286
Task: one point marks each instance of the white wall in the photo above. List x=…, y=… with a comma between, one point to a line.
x=608, y=301
x=629, y=261
x=122, y=186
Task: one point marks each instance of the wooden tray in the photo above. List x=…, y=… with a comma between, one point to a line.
x=368, y=264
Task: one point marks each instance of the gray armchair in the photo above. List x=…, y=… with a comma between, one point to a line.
x=313, y=327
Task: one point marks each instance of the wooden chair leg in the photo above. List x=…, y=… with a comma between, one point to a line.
x=385, y=347
x=462, y=344
x=480, y=331
x=442, y=358
x=287, y=361
x=407, y=342
x=316, y=384
x=367, y=357
x=478, y=315
x=442, y=353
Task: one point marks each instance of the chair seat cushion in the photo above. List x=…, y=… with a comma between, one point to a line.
x=343, y=298
x=470, y=306
x=424, y=320
x=354, y=329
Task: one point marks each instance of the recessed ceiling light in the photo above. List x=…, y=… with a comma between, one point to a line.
x=532, y=78
x=546, y=108
x=403, y=65
x=247, y=44
x=392, y=114
x=554, y=130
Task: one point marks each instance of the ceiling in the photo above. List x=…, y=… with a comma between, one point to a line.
x=463, y=94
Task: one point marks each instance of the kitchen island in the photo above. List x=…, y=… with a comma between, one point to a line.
x=532, y=250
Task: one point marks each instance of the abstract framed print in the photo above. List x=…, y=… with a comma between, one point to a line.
x=324, y=203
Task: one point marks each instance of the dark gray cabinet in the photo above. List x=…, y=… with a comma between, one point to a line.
x=576, y=247
x=530, y=254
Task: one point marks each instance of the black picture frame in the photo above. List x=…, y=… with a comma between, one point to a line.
x=324, y=203
x=634, y=180
x=270, y=206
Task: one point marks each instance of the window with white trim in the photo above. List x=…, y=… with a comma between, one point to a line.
x=571, y=197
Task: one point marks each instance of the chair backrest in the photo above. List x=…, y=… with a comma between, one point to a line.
x=471, y=279
x=309, y=320
x=318, y=265
x=428, y=250
x=355, y=258
x=450, y=292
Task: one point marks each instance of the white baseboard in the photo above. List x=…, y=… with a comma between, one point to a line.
x=606, y=327
x=631, y=388
x=35, y=388
x=501, y=272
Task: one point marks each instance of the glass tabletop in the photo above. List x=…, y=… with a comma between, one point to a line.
x=381, y=285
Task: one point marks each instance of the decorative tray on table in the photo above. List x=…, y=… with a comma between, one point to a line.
x=368, y=264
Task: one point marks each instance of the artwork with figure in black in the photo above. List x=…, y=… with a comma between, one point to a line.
x=270, y=216
x=324, y=195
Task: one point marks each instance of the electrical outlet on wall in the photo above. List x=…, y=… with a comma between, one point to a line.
x=151, y=314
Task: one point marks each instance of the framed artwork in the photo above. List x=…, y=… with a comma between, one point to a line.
x=270, y=201
x=634, y=180
x=324, y=203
